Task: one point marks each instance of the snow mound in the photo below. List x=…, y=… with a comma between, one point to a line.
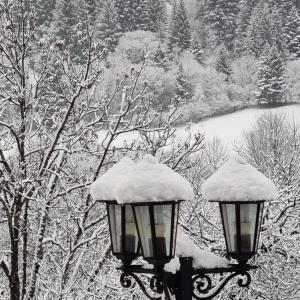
x=237, y=180
x=185, y=247
x=146, y=181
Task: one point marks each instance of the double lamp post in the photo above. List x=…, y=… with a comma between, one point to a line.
x=149, y=229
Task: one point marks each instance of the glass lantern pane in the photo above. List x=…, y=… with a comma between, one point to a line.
x=229, y=219
x=162, y=221
x=131, y=236
x=261, y=208
x=114, y=216
x=143, y=223
x=247, y=225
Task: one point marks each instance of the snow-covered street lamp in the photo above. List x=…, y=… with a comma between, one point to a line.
x=241, y=191
x=143, y=202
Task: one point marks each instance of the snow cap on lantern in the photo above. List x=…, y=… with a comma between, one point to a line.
x=145, y=181
x=237, y=180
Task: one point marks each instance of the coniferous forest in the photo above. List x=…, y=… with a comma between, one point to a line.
x=208, y=57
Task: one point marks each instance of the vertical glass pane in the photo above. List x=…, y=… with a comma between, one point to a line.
x=162, y=220
x=261, y=208
x=114, y=215
x=229, y=219
x=131, y=236
x=247, y=225
x=143, y=222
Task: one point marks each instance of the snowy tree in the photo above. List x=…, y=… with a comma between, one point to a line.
x=272, y=145
x=180, y=32
x=108, y=29
x=265, y=27
x=156, y=15
x=160, y=57
x=71, y=26
x=197, y=50
x=271, y=84
x=132, y=14
x=121, y=7
x=292, y=32
x=90, y=9
x=222, y=64
x=44, y=12
x=243, y=19
x=54, y=237
x=182, y=88
x=221, y=18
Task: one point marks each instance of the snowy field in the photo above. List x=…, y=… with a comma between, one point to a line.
x=228, y=128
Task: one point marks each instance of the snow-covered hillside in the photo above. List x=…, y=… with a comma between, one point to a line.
x=228, y=128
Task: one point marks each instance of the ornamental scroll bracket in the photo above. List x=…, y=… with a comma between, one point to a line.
x=202, y=281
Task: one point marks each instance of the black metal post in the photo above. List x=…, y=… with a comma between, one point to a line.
x=184, y=289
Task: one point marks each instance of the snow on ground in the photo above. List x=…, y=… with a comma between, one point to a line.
x=185, y=247
x=147, y=180
x=237, y=180
x=228, y=128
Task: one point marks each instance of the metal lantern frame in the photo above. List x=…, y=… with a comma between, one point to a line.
x=124, y=255
x=156, y=258
x=239, y=254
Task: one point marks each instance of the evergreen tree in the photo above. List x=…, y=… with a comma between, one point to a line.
x=197, y=50
x=138, y=12
x=222, y=64
x=160, y=58
x=122, y=10
x=91, y=10
x=265, y=28
x=284, y=6
x=182, y=88
x=292, y=32
x=108, y=29
x=180, y=28
x=221, y=18
x=65, y=21
x=44, y=13
x=271, y=82
x=156, y=14
x=69, y=28
x=133, y=14
x=243, y=19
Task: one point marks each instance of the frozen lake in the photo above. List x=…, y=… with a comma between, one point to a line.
x=228, y=128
